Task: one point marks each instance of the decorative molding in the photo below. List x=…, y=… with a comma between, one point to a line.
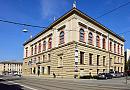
x=61, y=27
x=83, y=25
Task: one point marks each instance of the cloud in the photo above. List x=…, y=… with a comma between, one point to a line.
x=51, y=8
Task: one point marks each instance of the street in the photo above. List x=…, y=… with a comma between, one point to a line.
x=37, y=83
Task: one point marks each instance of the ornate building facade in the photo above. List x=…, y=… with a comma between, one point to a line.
x=74, y=45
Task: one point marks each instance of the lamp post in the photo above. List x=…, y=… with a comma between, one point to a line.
x=25, y=31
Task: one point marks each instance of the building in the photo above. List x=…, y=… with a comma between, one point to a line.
x=127, y=54
x=10, y=67
x=127, y=57
x=74, y=45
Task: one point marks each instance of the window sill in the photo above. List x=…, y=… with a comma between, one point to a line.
x=60, y=67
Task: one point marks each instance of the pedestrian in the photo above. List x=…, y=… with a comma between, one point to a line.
x=54, y=75
x=38, y=73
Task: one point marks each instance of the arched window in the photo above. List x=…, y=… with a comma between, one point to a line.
x=35, y=49
x=32, y=50
x=50, y=43
x=39, y=48
x=110, y=46
x=44, y=45
x=98, y=41
x=114, y=47
x=81, y=35
x=90, y=38
x=104, y=43
x=118, y=49
x=61, y=37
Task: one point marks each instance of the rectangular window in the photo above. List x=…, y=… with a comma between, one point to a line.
x=98, y=60
x=121, y=50
x=42, y=70
x=114, y=48
x=81, y=57
x=48, y=70
x=104, y=59
x=38, y=59
x=60, y=61
x=43, y=58
x=90, y=58
x=110, y=62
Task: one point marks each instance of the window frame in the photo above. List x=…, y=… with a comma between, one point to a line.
x=61, y=37
x=90, y=38
x=81, y=35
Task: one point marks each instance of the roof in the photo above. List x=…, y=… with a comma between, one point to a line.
x=11, y=62
x=81, y=14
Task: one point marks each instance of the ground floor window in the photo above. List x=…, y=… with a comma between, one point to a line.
x=34, y=70
x=103, y=70
x=48, y=70
x=42, y=70
x=97, y=71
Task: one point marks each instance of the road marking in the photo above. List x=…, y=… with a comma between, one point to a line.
x=23, y=85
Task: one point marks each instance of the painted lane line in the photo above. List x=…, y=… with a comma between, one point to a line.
x=23, y=85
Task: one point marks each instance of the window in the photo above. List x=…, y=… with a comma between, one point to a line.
x=121, y=51
x=114, y=59
x=121, y=69
x=81, y=57
x=38, y=59
x=104, y=60
x=60, y=62
x=97, y=41
x=50, y=43
x=39, y=49
x=118, y=69
x=61, y=37
x=118, y=60
x=42, y=70
x=81, y=35
x=49, y=57
x=90, y=38
x=121, y=60
x=26, y=52
x=114, y=48
x=44, y=45
x=32, y=50
x=110, y=62
x=43, y=58
x=97, y=71
x=118, y=49
x=35, y=49
x=90, y=58
x=48, y=70
x=98, y=60
x=103, y=70
x=104, y=43
x=114, y=68
x=110, y=46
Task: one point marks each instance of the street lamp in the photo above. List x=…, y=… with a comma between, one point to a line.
x=25, y=31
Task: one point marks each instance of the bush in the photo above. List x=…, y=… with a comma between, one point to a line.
x=95, y=77
x=86, y=77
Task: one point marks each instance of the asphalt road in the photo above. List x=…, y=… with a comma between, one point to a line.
x=37, y=83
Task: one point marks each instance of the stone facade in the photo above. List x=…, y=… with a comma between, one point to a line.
x=75, y=44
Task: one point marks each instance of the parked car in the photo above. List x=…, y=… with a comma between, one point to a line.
x=104, y=76
x=116, y=74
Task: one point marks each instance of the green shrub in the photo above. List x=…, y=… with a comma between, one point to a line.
x=86, y=77
x=95, y=77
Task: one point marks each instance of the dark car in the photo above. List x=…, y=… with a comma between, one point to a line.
x=104, y=76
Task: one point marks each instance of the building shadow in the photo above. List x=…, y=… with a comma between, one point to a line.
x=10, y=87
